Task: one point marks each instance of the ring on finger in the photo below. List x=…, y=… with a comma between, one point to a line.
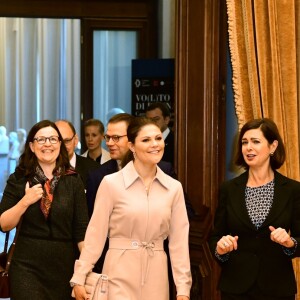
x=225, y=244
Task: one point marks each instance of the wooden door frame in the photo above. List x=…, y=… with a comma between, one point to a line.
x=200, y=82
x=88, y=25
x=200, y=89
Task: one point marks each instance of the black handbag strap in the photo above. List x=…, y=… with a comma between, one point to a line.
x=12, y=247
x=6, y=242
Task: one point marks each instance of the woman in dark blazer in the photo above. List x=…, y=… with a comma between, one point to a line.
x=257, y=223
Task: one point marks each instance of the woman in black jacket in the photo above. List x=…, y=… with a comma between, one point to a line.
x=257, y=222
x=49, y=197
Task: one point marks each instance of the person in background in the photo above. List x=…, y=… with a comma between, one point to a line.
x=160, y=113
x=14, y=154
x=93, y=134
x=49, y=197
x=82, y=165
x=138, y=208
x=4, y=159
x=4, y=141
x=256, y=230
x=116, y=142
x=22, y=139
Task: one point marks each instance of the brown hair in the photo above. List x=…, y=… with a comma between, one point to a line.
x=271, y=133
x=122, y=117
x=95, y=122
x=28, y=160
x=133, y=129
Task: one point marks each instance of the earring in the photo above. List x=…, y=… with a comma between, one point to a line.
x=134, y=155
x=272, y=153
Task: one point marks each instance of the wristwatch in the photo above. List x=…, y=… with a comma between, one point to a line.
x=72, y=284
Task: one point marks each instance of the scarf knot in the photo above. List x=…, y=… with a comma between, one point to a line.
x=49, y=186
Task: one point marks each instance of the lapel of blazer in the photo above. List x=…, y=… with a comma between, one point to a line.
x=279, y=201
x=78, y=164
x=238, y=199
x=280, y=198
x=113, y=166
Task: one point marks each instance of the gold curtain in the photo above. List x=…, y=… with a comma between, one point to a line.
x=263, y=49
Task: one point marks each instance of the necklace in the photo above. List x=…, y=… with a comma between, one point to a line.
x=147, y=187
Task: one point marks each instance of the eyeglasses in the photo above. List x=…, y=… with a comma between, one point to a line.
x=67, y=141
x=42, y=139
x=115, y=138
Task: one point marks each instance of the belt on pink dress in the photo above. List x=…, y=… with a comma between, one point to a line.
x=133, y=244
x=127, y=244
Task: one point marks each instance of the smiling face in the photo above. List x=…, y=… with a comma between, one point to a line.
x=46, y=153
x=256, y=149
x=148, y=145
x=117, y=150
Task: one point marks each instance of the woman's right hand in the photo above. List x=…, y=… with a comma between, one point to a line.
x=79, y=292
x=33, y=194
x=11, y=217
x=227, y=244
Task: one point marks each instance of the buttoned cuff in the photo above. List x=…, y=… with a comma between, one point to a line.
x=290, y=251
x=183, y=291
x=221, y=258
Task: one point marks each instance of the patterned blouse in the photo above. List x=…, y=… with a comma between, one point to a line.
x=259, y=201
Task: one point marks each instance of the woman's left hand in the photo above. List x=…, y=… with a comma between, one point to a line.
x=280, y=236
x=182, y=298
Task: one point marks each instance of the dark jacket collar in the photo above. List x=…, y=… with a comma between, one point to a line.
x=279, y=201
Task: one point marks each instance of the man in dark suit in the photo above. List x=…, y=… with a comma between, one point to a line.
x=81, y=164
x=116, y=141
x=160, y=114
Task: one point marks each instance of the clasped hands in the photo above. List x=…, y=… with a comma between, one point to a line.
x=278, y=235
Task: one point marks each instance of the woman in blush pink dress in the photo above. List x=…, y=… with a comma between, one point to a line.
x=138, y=208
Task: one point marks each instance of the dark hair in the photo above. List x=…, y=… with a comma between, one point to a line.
x=121, y=117
x=162, y=106
x=271, y=133
x=95, y=122
x=28, y=160
x=133, y=130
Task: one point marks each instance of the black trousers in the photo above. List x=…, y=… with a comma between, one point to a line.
x=247, y=296
x=253, y=294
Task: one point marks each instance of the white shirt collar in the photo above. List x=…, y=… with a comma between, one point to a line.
x=165, y=133
x=73, y=160
x=119, y=162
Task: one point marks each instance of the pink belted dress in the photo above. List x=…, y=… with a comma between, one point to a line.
x=137, y=222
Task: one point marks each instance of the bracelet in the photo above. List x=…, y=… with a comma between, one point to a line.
x=295, y=242
x=223, y=257
x=290, y=251
x=72, y=284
